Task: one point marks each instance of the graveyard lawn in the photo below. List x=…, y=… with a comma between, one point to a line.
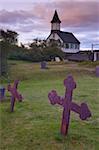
x=35, y=124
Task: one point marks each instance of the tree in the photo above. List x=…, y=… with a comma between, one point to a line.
x=9, y=36
x=38, y=43
x=53, y=50
x=41, y=50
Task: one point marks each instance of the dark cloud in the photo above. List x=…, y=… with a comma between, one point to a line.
x=12, y=17
x=37, y=13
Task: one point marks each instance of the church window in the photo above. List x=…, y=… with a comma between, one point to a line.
x=67, y=45
x=72, y=46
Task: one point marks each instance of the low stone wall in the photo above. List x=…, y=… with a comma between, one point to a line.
x=80, y=56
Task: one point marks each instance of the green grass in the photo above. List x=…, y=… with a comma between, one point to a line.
x=89, y=63
x=35, y=123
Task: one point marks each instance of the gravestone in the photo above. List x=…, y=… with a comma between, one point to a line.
x=43, y=65
x=97, y=71
x=14, y=94
x=2, y=93
x=68, y=105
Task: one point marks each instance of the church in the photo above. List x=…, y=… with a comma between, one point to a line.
x=67, y=41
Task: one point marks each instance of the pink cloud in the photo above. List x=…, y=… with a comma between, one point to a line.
x=78, y=16
x=79, y=13
x=71, y=14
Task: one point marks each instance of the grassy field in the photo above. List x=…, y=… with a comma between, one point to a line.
x=35, y=123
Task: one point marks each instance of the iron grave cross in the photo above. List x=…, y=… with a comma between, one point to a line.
x=68, y=105
x=14, y=94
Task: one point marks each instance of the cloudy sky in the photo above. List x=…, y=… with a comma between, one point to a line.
x=31, y=18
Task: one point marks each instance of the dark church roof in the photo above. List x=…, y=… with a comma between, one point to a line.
x=67, y=37
x=55, y=18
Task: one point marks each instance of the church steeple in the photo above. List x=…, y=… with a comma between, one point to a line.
x=55, y=22
x=55, y=18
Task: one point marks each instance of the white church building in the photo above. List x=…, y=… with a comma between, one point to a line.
x=68, y=42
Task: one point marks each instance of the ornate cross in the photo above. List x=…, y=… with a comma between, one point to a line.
x=14, y=94
x=68, y=105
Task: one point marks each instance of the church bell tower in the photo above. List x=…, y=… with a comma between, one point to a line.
x=55, y=22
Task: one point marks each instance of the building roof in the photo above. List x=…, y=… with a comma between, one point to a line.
x=67, y=37
x=55, y=18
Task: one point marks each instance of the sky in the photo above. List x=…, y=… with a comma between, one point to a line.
x=31, y=19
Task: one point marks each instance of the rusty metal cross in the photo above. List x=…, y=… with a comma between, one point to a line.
x=68, y=105
x=14, y=94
